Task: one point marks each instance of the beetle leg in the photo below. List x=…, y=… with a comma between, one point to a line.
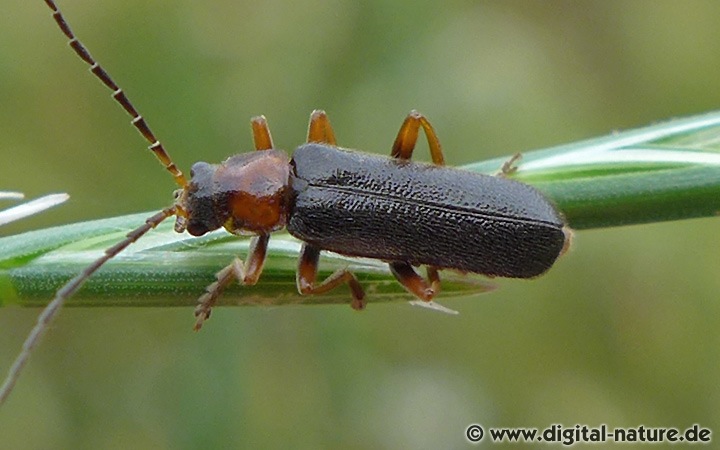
x=307, y=273
x=434, y=278
x=213, y=291
x=569, y=236
x=247, y=274
x=261, y=133
x=414, y=283
x=319, y=129
x=509, y=167
x=403, y=149
x=407, y=138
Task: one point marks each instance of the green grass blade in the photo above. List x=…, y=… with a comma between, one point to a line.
x=664, y=172
x=165, y=268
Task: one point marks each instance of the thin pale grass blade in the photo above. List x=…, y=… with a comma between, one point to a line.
x=30, y=208
x=667, y=171
x=11, y=195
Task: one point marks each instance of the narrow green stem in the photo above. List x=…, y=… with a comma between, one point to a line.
x=664, y=172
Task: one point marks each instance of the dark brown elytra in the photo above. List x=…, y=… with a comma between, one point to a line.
x=392, y=209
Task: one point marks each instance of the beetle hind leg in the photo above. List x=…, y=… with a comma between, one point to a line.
x=403, y=148
x=423, y=289
x=408, y=135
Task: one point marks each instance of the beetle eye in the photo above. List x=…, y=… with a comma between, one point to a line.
x=201, y=168
x=196, y=228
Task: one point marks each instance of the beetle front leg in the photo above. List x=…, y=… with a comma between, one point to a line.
x=407, y=138
x=307, y=273
x=414, y=283
x=246, y=273
x=261, y=133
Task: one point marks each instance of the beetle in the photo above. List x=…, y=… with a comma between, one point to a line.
x=388, y=208
x=357, y=204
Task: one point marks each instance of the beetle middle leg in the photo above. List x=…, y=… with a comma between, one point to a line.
x=320, y=130
x=307, y=273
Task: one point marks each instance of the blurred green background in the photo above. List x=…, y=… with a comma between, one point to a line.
x=625, y=330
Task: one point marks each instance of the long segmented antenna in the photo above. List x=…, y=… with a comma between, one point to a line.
x=72, y=286
x=118, y=95
x=68, y=290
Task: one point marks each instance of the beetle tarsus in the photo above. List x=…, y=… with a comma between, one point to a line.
x=509, y=167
